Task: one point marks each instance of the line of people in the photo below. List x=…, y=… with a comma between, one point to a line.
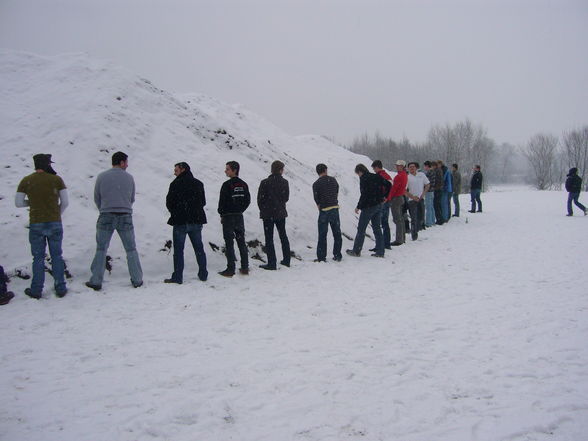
x=423, y=195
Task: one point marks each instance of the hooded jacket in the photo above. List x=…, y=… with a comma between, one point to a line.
x=573, y=182
x=186, y=200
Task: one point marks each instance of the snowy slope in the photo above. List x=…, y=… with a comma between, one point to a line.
x=82, y=110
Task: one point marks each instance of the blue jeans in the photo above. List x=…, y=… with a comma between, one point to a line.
x=326, y=218
x=40, y=235
x=105, y=226
x=270, y=250
x=445, y=205
x=475, y=195
x=194, y=232
x=429, y=209
x=456, y=204
x=373, y=215
x=574, y=197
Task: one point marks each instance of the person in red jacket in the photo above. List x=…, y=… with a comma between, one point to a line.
x=379, y=170
x=397, y=201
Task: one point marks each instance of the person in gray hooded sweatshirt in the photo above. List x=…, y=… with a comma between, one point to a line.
x=114, y=194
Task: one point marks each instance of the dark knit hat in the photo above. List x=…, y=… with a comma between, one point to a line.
x=573, y=171
x=42, y=161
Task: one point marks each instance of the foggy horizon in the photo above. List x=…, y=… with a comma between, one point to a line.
x=343, y=68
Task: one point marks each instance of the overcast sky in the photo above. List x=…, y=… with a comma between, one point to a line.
x=340, y=67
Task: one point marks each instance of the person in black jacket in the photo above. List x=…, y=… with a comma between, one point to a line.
x=185, y=201
x=5, y=295
x=325, y=191
x=373, y=191
x=476, y=189
x=233, y=201
x=574, y=187
x=272, y=196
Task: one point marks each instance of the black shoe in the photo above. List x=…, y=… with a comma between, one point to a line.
x=94, y=287
x=267, y=267
x=338, y=258
x=479, y=211
x=29, y=293
x=227, y=273
x=137, y=284
x=285, y=263
x=396, y=244
x=569, y=214
x=471, y=211
x=414, y=236
x=373, y=249
x=352, y=253
x=172, y=281
x=377, y=255
x=6, y=297
x=61, y=293
x=244, y=271
x=320, y=260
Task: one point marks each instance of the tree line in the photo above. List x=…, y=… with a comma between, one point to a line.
x=543, y=161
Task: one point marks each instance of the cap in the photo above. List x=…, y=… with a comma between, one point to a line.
x=401, y=162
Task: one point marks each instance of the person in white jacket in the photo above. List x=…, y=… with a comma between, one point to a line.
x=46, y=195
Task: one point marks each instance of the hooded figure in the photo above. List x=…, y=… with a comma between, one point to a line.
x=574, y=187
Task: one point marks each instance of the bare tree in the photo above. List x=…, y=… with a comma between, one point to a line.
x=575, y=146
x=541, y=152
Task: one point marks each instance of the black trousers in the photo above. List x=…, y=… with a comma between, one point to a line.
x=268, y=229
x=234, y=229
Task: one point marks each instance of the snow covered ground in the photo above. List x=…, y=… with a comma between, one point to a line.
x=475, y=332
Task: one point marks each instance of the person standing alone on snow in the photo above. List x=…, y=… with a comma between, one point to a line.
x=114, y=195
x=272, y=196
x=476, y=189
x=325, y=191
x=574, y=187
x=233, y=201
x=185, y=201
x=46, y=196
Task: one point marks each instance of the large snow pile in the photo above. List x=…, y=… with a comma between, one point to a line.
x=82, y=110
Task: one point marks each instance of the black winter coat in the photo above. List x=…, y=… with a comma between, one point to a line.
x=186, y=200
x=272, y=196
x=476, y=182
x=372, y=188
x=234, y=197
x=574, y=184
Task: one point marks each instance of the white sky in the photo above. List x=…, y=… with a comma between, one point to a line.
x=342, y=67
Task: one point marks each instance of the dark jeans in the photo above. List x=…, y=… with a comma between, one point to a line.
x=106, y=225
x=385, y=224
x=416, y=210
x=574, y=197
x=456, y=204
x=373, y=215
x=326, y=218
x=194, y=232
x=268, y=230
x=3, y=281
x=475, y=195
x=234, y=228
x=41, y=235
x=437, y=196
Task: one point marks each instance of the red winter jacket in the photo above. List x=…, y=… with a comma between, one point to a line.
x=399, y=184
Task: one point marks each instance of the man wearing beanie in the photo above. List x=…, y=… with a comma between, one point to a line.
x=46, y=195
x=574, y=187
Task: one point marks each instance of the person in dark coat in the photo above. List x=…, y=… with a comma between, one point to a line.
x=185, y=201
x=574, y=187
x=233, y=201
x=272, y=196
x=373, y=191
x=325, y=191
x=476, y=189
x=5, y=295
